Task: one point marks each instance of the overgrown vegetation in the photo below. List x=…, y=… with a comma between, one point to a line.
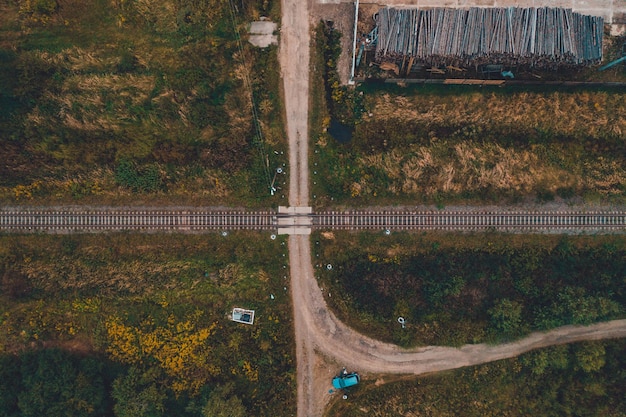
x=459, y=288
x=148, y=314
x=344, y=104
x=55, y=382
x=457, y=144
x=585, y=379
x=103, y=100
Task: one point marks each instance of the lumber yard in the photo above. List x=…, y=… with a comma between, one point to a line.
x=543, y=37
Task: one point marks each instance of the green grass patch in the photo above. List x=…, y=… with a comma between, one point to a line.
x=155, y=307
x=454, y=289
x=579, y=379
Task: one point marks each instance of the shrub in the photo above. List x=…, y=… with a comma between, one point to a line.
x=146, y=179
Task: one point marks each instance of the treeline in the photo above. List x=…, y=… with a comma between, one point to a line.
x=344, y=105
x=55, y=383
x=455, y=294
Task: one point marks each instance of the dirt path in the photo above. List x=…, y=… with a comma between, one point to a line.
x=294, y=64
x=319, y=334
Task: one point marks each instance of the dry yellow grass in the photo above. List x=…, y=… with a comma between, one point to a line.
x=138, y=80
x=472, y=167
x=77, y=59
x=161, y=13
x=96, y=102
x=470, y=164
x=133, y=277
x=594, y=113
x=99, y=185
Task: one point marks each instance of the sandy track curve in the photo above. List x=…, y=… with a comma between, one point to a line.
x=355, y=350
x=324, y=332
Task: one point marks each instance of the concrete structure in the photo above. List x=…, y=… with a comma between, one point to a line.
x=262, y=34
x=244, y=316
x=294, y=220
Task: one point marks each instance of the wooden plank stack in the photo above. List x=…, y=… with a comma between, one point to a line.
x=540, y=37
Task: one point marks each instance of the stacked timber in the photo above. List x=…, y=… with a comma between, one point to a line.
x=539, y=37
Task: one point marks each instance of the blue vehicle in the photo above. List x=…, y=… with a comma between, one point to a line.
x=345, y=380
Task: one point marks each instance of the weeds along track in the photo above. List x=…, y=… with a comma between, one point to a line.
x=198, y=221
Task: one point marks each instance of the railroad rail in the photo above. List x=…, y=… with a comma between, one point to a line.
x=71, y=221
x=558, y=221
x=144, y=220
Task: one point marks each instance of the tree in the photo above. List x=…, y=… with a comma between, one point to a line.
x=57, y=384
x=590, y=356
x=10, y=385
x=222, y=403
x=506, y=317
x=536, y=361
x=137, y=395
x=15, y=284
x=578, y=307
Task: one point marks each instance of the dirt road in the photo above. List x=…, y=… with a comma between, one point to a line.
x=317, y=329
x=294, y=63
x=294, y=66
x=359, y=352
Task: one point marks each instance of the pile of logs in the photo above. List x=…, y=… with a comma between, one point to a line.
x=511, y=36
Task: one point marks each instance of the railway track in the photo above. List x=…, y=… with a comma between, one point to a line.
x=70, y=221
x=558, y=221
x=146, y=220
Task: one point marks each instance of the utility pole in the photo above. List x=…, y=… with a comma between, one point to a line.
x=356, y=21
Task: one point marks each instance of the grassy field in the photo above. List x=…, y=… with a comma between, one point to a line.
x=462, y=288
x=585, y=379
x=153, y=309
x=117, y=102
x=455, y=145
